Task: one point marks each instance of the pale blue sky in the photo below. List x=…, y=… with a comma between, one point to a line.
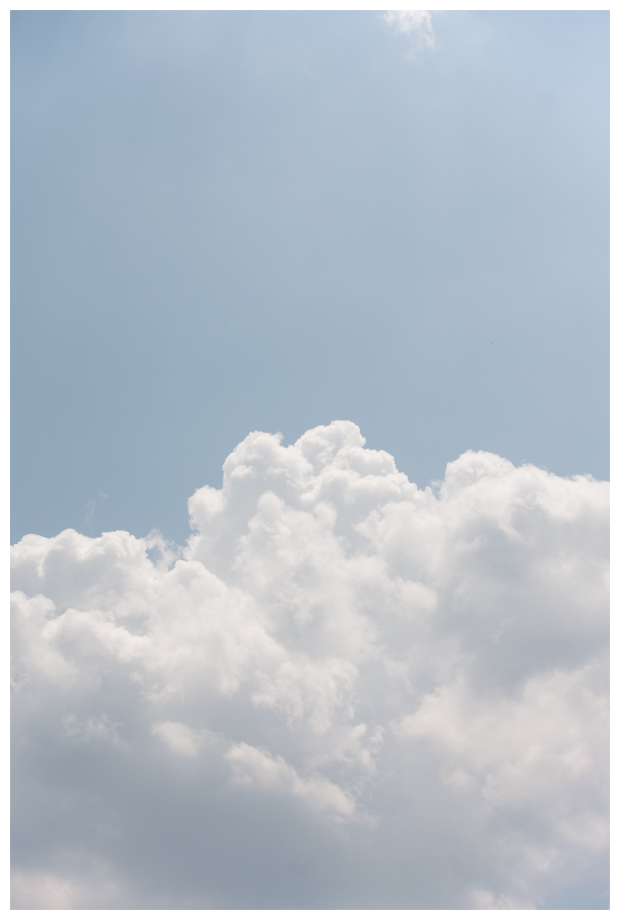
x=225, y=222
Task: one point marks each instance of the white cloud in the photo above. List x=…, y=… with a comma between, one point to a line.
x=255, y=767
x=338, y=669
x=415, y=24
x=48, y=890
x=510, y=751
x=183, y=740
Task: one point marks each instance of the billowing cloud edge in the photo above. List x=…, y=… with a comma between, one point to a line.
x=328, y=620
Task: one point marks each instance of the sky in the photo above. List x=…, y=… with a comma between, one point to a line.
x=309, y=460
x=228, y=222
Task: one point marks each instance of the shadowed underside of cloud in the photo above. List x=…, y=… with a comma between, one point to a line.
x=343, y=692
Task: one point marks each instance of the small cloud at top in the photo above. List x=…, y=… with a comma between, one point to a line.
x=416, y=24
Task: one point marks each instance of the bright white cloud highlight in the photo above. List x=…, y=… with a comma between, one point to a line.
x=341, y=677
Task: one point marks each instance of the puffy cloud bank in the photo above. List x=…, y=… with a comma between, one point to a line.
x=343, y=692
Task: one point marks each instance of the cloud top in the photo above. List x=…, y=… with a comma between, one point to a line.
x=338, y=673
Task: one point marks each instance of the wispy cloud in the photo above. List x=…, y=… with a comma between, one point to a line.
x=92, y=504
x=415, y=24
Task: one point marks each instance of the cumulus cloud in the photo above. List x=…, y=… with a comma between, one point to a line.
x=343, y=692
x=415, y=24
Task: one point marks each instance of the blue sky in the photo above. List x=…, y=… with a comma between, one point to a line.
x=226, y=222
x=310, y=456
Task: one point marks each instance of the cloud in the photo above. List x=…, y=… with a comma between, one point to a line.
x=341, y=685
x=258, y=768
x=32, y=890
x=415, y=24
x=181, y=739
